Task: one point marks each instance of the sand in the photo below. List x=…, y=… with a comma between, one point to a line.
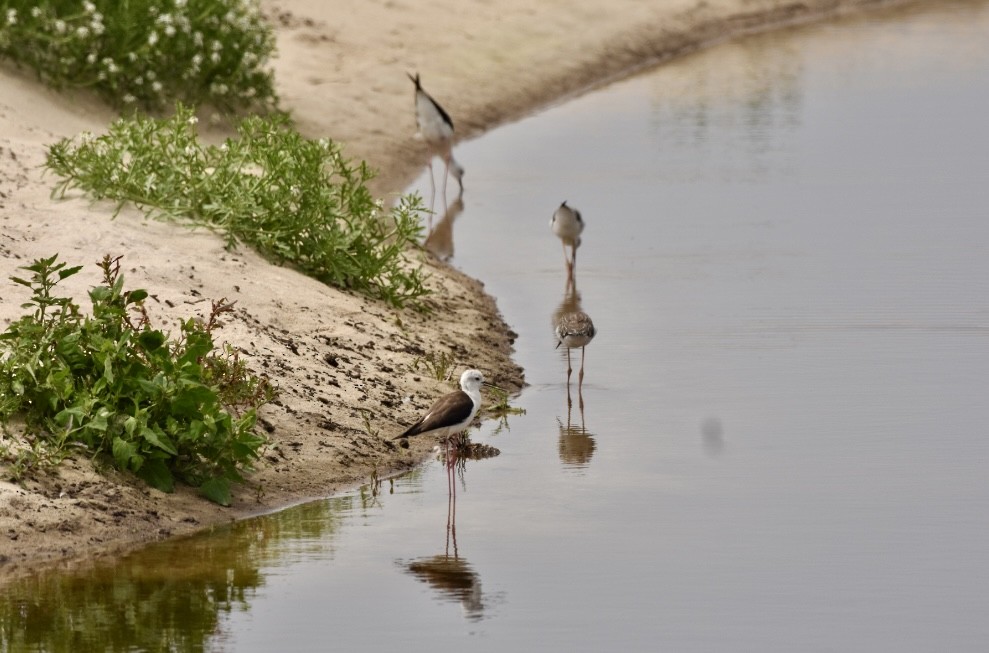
x=341, y=70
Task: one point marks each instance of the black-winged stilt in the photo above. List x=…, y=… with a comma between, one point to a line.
x=575, y=330
x=452, y=413
x=567, y=224
x=436, y=128
x=573, y=327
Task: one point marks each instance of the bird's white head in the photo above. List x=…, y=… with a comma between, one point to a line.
x=471, y=381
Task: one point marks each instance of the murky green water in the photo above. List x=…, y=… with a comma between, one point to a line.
x=783, y=442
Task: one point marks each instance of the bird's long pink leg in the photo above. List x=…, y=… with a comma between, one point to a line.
x=569, y=367
x=580, y=376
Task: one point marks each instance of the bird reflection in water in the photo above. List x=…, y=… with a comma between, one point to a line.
x=439, y=241
x=576, y=442
x=449, y=573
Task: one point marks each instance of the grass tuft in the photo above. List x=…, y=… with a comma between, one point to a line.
x=295, y=200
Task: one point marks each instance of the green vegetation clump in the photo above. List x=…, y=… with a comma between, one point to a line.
x=146, y=53
x=294, y=199
x=163, y=409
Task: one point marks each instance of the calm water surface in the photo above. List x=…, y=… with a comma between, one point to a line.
x=783, y=439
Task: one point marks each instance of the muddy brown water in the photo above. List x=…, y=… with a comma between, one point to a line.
x=783, y=438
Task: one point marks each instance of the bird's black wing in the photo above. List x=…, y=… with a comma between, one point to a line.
x=448, y=409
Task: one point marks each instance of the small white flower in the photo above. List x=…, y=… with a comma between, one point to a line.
x=216, y=46
x=129, y=99
x=169, y=30
x=82, y=31
x=179, y=4
x=60, y=26
x=156, y=86
x=89, y=7
x=91, y=58
x=215, y=57
x=193, y=120
x=11, y=16
x=35, y=11
x=197, y=60
x=152, y=38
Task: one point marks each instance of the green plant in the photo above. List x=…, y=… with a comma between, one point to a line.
x=501, y=409
x=21, y=458
x=146, y=53
x=439, y=366
x=163, y=409
x=293, y=199
x=366, y=419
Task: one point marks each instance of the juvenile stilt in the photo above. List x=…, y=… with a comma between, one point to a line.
x=575, y=329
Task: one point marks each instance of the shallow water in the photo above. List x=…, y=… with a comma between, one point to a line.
x=782, y=445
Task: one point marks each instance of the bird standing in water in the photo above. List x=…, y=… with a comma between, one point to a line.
x=436, y=128
x=573, y=330
x=452, y=413
x=567, y=224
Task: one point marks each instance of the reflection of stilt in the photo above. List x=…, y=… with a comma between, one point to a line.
x=576, y=444
x=439, y=240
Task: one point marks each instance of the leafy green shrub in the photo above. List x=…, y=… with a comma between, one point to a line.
x=146, y=52
x=163, y=409
x=293, y=199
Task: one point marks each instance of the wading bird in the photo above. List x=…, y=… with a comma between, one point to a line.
x=568, y=225
x=436, y=128
x=574, y=329
x=452, y=413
